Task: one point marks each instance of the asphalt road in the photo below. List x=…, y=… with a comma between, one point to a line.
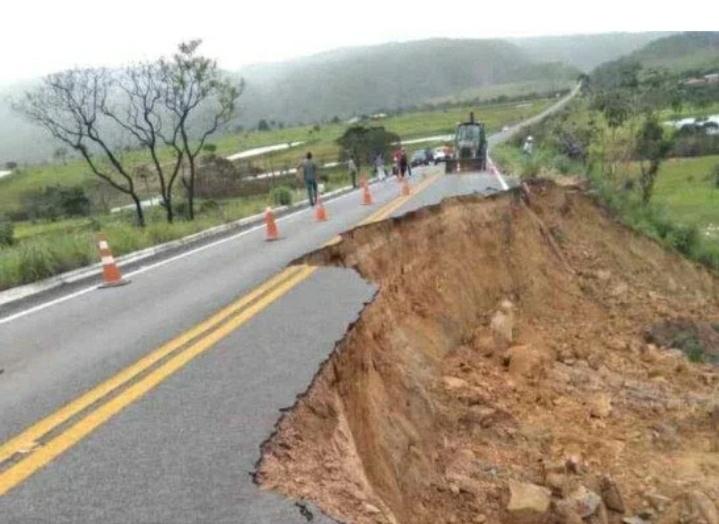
x=149, y=419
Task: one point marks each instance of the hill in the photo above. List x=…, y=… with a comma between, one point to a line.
x=683, y=53
x=585, y=52
x=385, y=77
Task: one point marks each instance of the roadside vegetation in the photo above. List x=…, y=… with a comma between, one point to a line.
x=620, y=137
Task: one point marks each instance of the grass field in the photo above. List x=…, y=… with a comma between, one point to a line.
x=685, y=193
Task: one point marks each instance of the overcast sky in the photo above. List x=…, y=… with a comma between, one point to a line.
x=39, y=37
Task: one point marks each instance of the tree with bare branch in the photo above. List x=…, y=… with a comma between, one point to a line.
x=200, y=99
x=141, y=112
x=68, y=105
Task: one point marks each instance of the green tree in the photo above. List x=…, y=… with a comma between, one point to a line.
x=210, y=149
x=200, y=99
x=651, y=148
x=60, y=154
x=262, y=125
x=363, y=143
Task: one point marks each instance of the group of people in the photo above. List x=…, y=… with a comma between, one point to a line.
x=307, y=171
x=401, y=166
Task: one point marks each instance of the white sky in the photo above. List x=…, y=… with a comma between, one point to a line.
x=41, y=36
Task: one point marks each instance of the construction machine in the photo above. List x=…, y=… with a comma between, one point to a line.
x=470, y=148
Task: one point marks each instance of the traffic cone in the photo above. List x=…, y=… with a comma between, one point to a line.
x=110, y=273
x=366, y=195
x=272, y=233
x=320, y=212
x=406, y=191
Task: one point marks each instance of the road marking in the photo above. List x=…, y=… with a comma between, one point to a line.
x=200, y=338
x=160, y=263
x=42, y=455
x=49, y=423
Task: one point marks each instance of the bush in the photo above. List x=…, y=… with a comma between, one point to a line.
x=562, y=164
x=6, y=231
x=281, y=196
x=684, y=239
x=209, y=205
x=531, y=168
x=54, y=202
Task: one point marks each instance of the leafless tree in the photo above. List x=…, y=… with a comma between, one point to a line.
x=141, y=113
x=200, y=100
x=68, y=105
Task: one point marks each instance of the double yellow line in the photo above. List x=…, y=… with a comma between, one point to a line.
x=25, y=453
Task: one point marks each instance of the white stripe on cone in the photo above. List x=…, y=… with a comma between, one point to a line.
x=107, y=261
x=103, y=244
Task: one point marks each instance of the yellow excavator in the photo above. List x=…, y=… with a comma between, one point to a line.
x=470, y=148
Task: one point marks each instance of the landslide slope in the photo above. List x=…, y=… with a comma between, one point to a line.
x=516, y=365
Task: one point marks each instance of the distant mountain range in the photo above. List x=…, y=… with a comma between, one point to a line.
x=349, y=81
x=681, y=52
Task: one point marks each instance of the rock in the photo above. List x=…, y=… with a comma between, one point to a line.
x=703, y=506
x=503, y=326
x=657, y=501
x=633, y=520
x=619, y=290
x=479, y=519
x=555, y=482
x=603, y=274
x=506, y=307
x=584, y=502
x=486, y=345
x=603, y=514
x=454, y=489
x=575, y=465
x=527, y=361
x=611, y=495
x=454, y=383
x=600, y=405
x=567, y=513
x=528, y=502
x=370, y=509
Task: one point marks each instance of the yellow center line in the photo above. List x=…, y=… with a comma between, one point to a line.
x=43, y=455
x=195, y=342
x=27, y=439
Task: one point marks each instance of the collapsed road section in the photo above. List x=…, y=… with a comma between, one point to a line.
x=526, y=359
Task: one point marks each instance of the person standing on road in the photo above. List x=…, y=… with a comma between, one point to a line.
x=403, y=163
x=352, y=171
x=309, y=173
x=379, y=163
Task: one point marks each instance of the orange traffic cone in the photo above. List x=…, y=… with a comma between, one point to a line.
x=320, y=212
x=366, y=195
x=110, y=273
x=272, y=232
x=406, y=191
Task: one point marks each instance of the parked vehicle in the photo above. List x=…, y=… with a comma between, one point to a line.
x=440, y=155
x=420, y=158
x=470, y=148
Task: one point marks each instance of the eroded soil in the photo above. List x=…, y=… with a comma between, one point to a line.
x=504, y=373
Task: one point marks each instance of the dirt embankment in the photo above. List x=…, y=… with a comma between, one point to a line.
x=504, y=374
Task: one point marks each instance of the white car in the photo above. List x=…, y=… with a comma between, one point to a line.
x=439, y=155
